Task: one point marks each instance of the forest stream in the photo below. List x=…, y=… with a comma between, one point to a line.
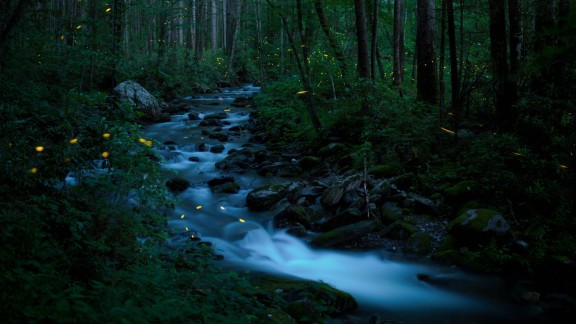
x=383, y=283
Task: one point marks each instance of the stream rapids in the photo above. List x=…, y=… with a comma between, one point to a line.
x=382, y=283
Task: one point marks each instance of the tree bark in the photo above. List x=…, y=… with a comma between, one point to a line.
x=427, y=75
x=362, y=38
x=374, y=43
x=454, y=74
x=398, y=54
x=499, y=59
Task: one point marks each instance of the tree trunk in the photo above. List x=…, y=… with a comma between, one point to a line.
x=427, y=75
x=374, y=43
x=455, y=82
x=331, y=38
x=398, y=54
x=362, y=39
x=499, y=59
x=442, y=63
x=214, y=21
x=514, y=18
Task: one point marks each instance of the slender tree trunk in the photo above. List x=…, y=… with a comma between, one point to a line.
x=454, y=74
x=362, y=38
x=499, y=59
x=427, y=75
x=442, y=62
x=515, y=36
x=374, y=43
x=398, y=54
x=214, y=22
x=331, y=38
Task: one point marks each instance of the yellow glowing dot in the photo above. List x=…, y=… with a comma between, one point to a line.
x=78, y=27
x=182, y=216
x=105, y=154
x=222, y=207
x=241, y=220
x=198, y=207
x=302, y=92
x=563, y=166
x=187, y=229
x=73, y=141
x=227, y=110
x=33, y=170
x=517, y=154
x=108, y=9
x=192, y=236
x=62, y=37
x=141, y=140
x=39, y=148
x=106, y=135
x=148, y=143
x=67, y=160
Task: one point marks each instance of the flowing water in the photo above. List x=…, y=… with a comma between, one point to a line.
x=381, y=282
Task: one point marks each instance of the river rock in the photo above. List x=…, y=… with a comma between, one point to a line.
x=399, y=230
x=419, y=243
x=346, y=217
x=333, y=150
x=263, y=198
x=210, y=123
x=242, y=102
x=194, y=116
x=286, y=215
x=178, y=184
x=344, y=235
x=310, y=193
x=237, y=161
x=462, y=192
x=218, y=148
x=220, y=181
x=383, y=171
x=476, y=226
x=331, y=196
x=219, y=115
x=219, y=136
x=424, y=205
x=133, y=93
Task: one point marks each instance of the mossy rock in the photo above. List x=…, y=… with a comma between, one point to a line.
x=264, y=197
x=305, y=301
x=345, y=234
x=390, y=213
x=334, y=150
x=462, y=192
x=383, y=171
x=478, y=226
x=448, y=243
x=399, y=230
x=419, y=243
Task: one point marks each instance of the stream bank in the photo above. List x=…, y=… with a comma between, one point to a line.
x=260, y=213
